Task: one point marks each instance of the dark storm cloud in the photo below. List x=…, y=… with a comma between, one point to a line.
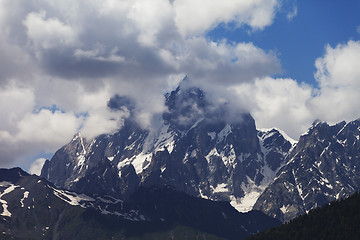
x=119, y=102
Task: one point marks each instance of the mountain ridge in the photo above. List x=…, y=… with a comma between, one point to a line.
x=200, y=150
x=33, y=208
x=195, y=149
x=324, y=166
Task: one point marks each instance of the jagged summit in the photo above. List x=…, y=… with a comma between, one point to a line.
x=196, y=149
x=274, y=130
x=323, y=166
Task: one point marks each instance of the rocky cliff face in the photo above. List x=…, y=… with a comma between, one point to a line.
x=325, y=165
x=195, y=148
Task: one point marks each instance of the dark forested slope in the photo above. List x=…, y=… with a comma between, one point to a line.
x=337, y=220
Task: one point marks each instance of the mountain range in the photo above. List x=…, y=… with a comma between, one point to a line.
x=195, y=148
x=205, y=150
x=324, y=166
x=33, y=208
x=181, y=178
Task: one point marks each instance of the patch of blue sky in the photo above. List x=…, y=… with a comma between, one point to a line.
x=299, y=34
x=53, y=108
x=31, y=159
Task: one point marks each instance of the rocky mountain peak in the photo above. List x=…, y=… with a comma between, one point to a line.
x=323, y=166
x=196, y=149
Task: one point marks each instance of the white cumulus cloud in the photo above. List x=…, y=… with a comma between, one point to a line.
x=338, y=74
x=197, y=16
x=36, y=166
x=48, y=32
x=62, y=60
x=291, y=106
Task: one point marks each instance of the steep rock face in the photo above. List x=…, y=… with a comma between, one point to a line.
x=323, y=167
x=91, y=166
x=196, y=148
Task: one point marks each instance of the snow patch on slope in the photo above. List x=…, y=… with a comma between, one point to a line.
x=212, y=153
x=230, y=158
x=252, y=193
x=26, y=195
x=72, y=198
x=81, y=156
x=212, y=135
x=268, y=134
x=284, y=209
x=224, y=133
x=138, y=161
x=222, y=187
x=165, y=140
x=9, y=188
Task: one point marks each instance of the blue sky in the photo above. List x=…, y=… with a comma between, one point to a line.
x=298, y=42
x=62, y=60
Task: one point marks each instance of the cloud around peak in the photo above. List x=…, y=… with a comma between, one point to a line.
x=77, y=55
x=293, y=106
